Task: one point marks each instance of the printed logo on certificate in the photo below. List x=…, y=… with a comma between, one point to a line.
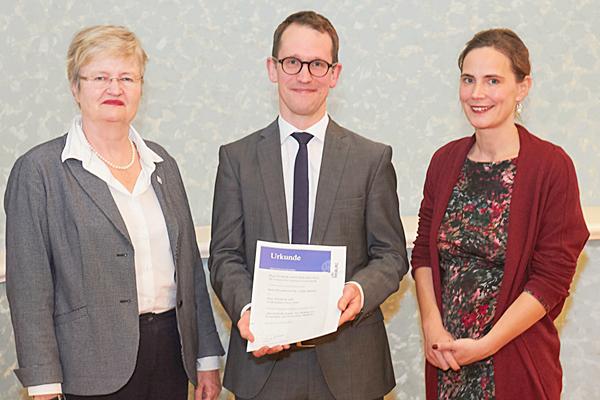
x=295, y=292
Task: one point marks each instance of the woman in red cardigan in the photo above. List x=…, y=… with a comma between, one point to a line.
x=500, y=231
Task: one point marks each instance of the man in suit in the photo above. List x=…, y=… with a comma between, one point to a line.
x=305, y=179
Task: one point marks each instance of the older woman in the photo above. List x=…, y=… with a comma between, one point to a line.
x=104, y=278
x=499, y=235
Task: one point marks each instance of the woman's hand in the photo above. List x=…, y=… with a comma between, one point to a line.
x=525, y=311
x=434, y=335
x=464, y=351
x=209, y=385
x=431, y=321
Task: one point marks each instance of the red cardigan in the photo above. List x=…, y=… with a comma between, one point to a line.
x=546, y=233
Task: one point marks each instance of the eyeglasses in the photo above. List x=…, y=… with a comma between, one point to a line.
x=293, y=66
x=104, y=81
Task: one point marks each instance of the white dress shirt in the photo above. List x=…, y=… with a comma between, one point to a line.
x=145, y=222
x=289, y=149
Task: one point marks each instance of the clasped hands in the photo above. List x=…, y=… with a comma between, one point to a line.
x=349, y=304
x=445, y=352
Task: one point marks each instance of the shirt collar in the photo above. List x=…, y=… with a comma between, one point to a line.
x=317, y=130
x=77, y=147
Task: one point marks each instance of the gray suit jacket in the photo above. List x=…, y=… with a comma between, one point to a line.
x=356, y=206
x=70, y=276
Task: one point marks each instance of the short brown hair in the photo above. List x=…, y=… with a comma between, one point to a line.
x=312, y=20
x=506, y=42
x=102, y=39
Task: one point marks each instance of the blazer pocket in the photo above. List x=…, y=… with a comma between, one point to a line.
x=350, y=214
x=70, y=316
x=349, y=203
x=75, y=345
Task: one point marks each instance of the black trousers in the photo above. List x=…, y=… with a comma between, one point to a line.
x=159, y=373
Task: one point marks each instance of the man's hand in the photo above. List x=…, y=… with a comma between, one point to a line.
x=209, y=385
x=45, y=396
x=349, y=303
x=244, y=328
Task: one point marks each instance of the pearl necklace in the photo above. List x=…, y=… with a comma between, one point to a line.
x=111, y=164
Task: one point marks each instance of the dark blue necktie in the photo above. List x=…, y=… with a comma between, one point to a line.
x=300, y=208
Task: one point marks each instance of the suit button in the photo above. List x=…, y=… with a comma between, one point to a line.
x=179, y=303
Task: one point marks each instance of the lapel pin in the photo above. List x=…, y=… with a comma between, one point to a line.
x=158, y=179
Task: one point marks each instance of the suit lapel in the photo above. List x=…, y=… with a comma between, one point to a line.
x=159, y=185
x=98, y=191
x=335, y=153
x=269, y=162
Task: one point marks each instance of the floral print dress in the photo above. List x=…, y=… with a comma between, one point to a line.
x=472, y=247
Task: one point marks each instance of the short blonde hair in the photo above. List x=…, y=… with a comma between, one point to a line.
x=102, y=39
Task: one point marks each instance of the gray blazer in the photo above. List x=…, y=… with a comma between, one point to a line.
x=70, y=276
x=356, y=206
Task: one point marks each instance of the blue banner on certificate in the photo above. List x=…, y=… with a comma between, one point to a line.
x=295, y=292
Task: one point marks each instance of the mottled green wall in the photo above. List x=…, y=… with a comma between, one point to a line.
x=206, y=84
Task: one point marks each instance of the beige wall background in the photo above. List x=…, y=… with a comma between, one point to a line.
x=206, y=85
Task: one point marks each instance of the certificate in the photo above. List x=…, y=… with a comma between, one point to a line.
x=295, y=292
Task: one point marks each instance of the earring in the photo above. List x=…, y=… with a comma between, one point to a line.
x=519, y=108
